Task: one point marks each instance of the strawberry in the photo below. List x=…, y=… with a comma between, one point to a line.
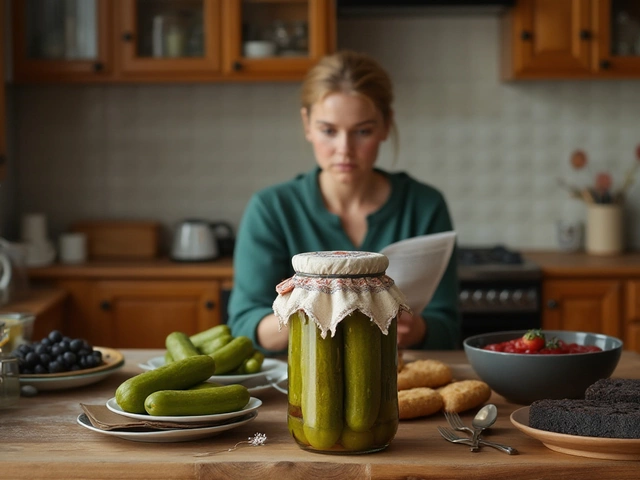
x=533, y=340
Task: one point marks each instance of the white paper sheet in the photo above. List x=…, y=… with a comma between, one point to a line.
x=417, y=265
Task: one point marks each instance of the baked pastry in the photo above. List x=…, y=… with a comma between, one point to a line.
x=418, y=402
x=589, y=418
x=424, y=373
x=464, y=395
x=614, y=390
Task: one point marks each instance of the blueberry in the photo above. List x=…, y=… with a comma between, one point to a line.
x=55, y=367
x=32, y=359
x=69, y=358
x=75, y=345
x=55, y=336
x=40, y=370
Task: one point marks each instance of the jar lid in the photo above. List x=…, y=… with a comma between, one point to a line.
x=329, y=286
x=340, y=263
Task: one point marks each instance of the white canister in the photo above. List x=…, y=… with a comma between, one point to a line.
x=605, y=229
x=34, y=228
x=73, y=248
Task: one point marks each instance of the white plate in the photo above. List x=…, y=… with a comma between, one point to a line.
x=177, y=435
x=113, y=361
x=253, y=404
x=593, y=447
x=268, y=366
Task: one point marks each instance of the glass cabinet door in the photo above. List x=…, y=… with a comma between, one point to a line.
x=618, y=43
x=59, y=36
x=171, y=35
x=284, y=36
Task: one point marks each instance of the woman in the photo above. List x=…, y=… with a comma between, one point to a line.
x=345, y=203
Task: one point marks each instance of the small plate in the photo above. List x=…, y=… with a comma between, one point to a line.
x=253, y=404
x=592, y=447
x=268, y=365
x=112, y=359
x=177, y=435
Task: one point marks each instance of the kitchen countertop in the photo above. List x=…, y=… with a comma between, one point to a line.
x=41, y=439
x=557, y=264
x=554, y=264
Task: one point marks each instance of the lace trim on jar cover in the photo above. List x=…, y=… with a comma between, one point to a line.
x=328, y=299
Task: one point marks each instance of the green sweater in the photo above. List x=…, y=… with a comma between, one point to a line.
x=290, y=218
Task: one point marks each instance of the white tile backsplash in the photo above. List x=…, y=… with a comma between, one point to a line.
x=172, y=151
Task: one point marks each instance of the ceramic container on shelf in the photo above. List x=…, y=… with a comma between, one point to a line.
x=605, y=229
x=341, y=310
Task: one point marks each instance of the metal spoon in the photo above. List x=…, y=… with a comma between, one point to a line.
x=485, y=417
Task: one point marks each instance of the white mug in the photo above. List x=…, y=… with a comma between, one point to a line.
x=73, y=248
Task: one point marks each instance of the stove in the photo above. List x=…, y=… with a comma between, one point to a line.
x=499, y=290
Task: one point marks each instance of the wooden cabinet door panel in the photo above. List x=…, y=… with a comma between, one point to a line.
x=142, y=314
x=551, y=38
x=632, y=316
x=583, y=305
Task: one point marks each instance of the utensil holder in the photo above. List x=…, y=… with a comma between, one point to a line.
x=605, y=231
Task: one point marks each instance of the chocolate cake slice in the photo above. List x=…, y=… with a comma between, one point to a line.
x=589, y=418
x=614, y=390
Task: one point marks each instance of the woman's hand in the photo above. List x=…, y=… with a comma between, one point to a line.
x=269, y=334
x=411, y=330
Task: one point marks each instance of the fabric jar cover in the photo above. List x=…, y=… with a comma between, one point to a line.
x=328, y=286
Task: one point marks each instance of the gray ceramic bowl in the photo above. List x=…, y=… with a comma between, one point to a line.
x=524, y=378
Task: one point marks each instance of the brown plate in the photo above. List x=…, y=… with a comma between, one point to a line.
x=112, y=360
x=592, y=447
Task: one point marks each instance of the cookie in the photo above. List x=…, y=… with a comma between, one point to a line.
x=418, y=402
x=464, y=395
x=424, y=373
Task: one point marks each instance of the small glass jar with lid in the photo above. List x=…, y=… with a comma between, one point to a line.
x=341, y=310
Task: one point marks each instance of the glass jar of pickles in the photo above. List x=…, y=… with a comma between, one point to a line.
x=341, y=311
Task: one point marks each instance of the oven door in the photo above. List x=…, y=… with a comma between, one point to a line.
x=494, y=306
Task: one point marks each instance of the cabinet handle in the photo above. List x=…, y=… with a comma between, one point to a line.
x=605, y=64
x=127, y=36
x=210, y=305
x=237, y=66
x=526, y=35
x=552, y=304
x=585, y=34
x=98, y=67
x=105, y=305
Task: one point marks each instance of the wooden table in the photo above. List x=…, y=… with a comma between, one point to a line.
x=40, y=439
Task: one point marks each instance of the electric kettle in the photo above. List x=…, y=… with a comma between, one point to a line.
x=197, y=240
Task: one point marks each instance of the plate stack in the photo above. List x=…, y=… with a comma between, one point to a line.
x=114, y=421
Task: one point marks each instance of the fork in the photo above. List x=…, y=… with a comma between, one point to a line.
x=456, y=422
x=450, y=436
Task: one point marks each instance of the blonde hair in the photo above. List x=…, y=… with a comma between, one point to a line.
x=354, y=73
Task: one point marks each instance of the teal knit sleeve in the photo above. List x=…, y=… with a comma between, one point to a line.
x=258, y=254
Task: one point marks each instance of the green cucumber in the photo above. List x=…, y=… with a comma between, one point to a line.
x=216, y=343
x=296, y=321
x=254, y=363
x=362, y=371
x=201, y=338
x=388, y=419
x=179, y=346
x=202, y=385
x=322, y=384
x=231, y=356
x=204, y=401
x=178, y=375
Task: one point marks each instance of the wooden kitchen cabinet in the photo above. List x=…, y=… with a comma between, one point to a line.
x=170, y=40
x=570, y=39
x=3, y=110
x=632, y=316
x=140, y=314
x=583, y=305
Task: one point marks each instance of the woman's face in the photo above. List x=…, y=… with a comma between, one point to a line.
x=346, y=132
